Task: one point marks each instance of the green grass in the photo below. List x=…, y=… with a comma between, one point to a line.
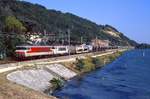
x=90, y=64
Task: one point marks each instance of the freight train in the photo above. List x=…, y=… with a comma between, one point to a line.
x=34, y=51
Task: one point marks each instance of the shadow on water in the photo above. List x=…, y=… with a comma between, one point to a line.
x=125, y=78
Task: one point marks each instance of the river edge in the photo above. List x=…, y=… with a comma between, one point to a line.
x=28, y=90
x=81, y=74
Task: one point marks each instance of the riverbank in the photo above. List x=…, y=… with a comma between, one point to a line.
x=86, y=65
x=125, y=78
x=25, y=91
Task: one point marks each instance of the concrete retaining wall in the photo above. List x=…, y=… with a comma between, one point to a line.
x=61, y=71
x=39, y=79
x=34, y=79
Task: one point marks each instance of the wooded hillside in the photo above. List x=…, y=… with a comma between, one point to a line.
x=30, y=17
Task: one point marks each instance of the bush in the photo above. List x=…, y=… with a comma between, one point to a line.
x=88, y=65
x=85, y=65
x=56, y=83
x=111, y=58
x=97, y=62
x=79, y=64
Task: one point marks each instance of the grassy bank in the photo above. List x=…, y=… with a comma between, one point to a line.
x=89, y=64
x=83, y=66
x=10, y=90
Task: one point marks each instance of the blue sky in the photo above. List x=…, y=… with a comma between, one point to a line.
x=132, y=17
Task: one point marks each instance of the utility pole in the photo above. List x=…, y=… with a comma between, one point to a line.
x=96, y=44
x=81, y=39
x=45, y=32
x=62, y=39
x=44, y=38
x=69, y=40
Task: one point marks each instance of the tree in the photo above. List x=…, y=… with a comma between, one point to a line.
x=11, y=41
x=14, y=25
x=13, y=36
x=2, y=47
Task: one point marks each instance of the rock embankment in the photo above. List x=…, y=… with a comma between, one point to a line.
x=38, y=79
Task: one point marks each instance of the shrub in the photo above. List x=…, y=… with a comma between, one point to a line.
x=85, y=65
x=88, y=65
x=111, y=58
x=79, y=64
x=97, y=62
x=56, y=83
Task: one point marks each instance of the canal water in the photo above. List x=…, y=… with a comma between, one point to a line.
x=126, y=78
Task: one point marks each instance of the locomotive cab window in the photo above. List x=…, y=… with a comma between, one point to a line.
x=62, y=49
x=22, y=48
x=80, y=50
x=85, y=49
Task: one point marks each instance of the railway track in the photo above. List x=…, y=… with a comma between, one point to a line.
x=16, y=65
x=9, y=61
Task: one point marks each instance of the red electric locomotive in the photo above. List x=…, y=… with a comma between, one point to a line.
x=31, y=51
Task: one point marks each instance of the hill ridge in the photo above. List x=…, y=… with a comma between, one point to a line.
x=37, y=18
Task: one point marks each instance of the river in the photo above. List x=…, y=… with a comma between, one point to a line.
x=128, y=77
